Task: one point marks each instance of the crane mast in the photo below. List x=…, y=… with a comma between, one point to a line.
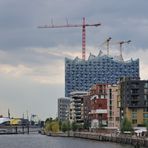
x=83, y=25
x=106, y=42
x=83, y=39
x=120, y=44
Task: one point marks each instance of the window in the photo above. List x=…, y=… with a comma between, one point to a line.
x=146, y=109
x=134, y=85
x=110, y=113
x=134, y=97
x=145, y=91
x=117, y=118
x=134, y=115
x=146, y=85
x=134, y=121
x=133, y=91
x=145, y=115
x=102, y=97
x=134, y=110
x=145, y=97
x=145, y=120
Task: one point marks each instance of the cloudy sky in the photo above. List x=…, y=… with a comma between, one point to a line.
x=32, y=59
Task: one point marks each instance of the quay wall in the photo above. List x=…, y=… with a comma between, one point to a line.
x=124, y=139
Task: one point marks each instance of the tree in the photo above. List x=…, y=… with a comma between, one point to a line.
x=146, y=125
x=126, y=125
x=55, y=127
x=74, y=126
x=80, y=127
x=86, y=125
x=48, y=120
x=64, y=127
x=47, y=127
x=51, y=126
x=60, y=125
x=68, y=125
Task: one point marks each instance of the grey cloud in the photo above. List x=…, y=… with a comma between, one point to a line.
x=19, y=34
x=19, y=20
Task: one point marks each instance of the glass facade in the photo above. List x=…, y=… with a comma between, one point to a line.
x=80, y=75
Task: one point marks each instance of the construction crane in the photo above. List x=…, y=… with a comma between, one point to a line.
x=107, y=44
x=83, y=25
x=120, y=46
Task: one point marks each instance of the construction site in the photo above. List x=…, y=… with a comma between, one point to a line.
x=81, y=74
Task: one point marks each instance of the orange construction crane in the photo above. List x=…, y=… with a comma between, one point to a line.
x=83, y=25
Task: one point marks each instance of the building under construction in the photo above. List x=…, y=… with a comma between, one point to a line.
x=81, y=74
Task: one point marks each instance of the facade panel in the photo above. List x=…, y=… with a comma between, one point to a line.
x=80, y=75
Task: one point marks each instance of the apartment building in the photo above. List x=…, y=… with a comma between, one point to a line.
x=112, y=107
x=63, y=108
x=98, y=105
x=134, y=100
x=76, y=113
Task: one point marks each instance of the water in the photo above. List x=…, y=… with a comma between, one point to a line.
x=41, y=141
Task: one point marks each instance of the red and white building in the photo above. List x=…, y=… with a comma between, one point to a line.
x=98, y=104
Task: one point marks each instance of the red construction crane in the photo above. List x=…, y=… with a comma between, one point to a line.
x=83, y=25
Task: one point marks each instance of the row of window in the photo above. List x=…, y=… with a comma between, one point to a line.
x=134, y=115
x=86, y=64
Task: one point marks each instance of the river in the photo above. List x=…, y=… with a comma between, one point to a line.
x=41, y=141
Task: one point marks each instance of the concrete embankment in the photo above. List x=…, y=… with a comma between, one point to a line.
x=137, y=142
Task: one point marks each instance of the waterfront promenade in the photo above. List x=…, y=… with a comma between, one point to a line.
x=122, y=138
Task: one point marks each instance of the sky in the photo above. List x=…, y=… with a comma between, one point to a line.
x=32, y=59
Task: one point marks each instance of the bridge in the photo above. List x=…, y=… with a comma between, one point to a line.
x=19, y=129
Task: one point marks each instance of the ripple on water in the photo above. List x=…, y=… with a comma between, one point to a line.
x=41, y=141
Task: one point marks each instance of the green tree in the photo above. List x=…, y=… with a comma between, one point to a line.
x=51, y=126
x=86, y=125
x=80, y=127
x=126, y=125
x=68, y=126
x=60, y=125
x=74, y=126
x=146, y=125
x=64, y=127
x=48, y=120
x=47, y=127
x=54, y=126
